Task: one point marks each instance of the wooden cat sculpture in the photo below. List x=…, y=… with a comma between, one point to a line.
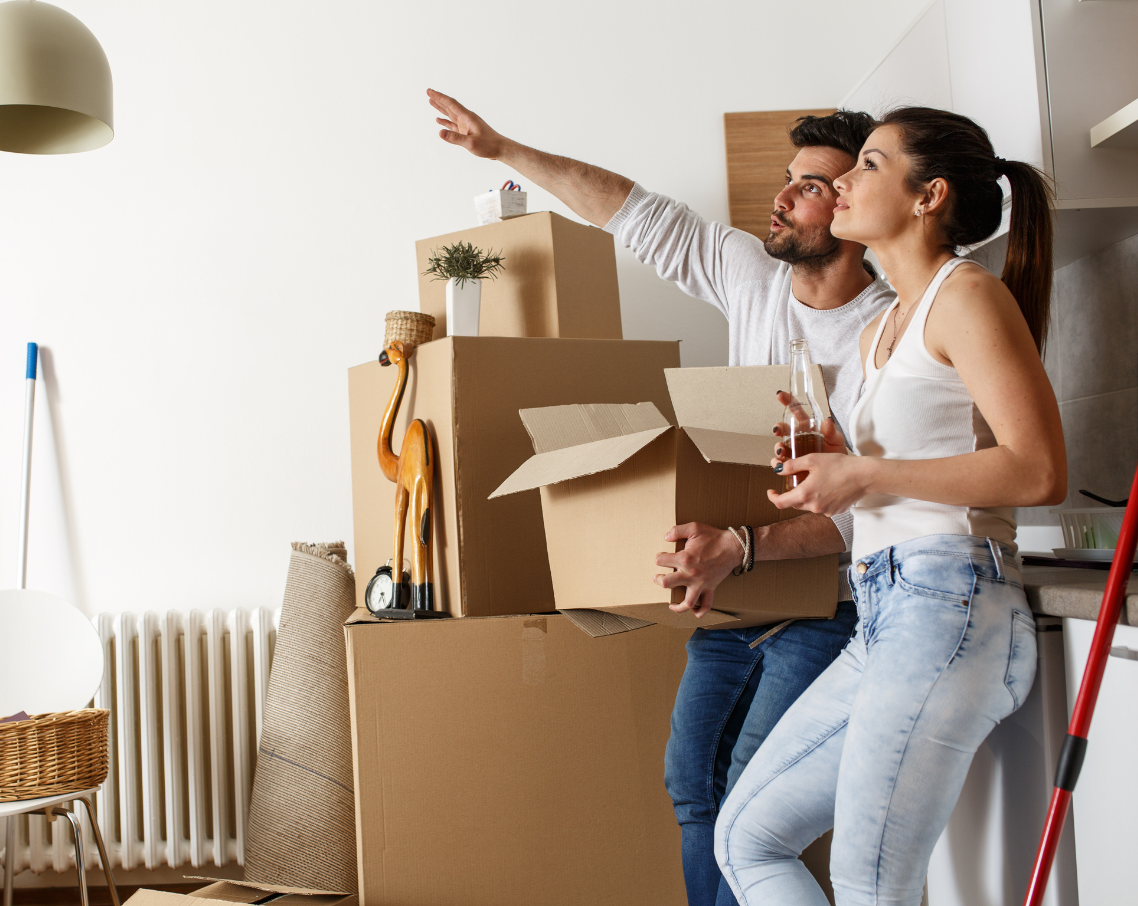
x=414, y=475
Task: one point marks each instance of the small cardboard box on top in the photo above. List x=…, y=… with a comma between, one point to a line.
x=489, y=555
x=615, y=478
x=513, y=761
x=559, y=279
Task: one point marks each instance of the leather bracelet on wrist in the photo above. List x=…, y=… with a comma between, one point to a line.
x=745, y=535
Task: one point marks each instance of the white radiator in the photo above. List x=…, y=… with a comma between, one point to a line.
x=186, y=693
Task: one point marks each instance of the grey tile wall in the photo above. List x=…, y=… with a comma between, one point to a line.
x=1092, y=359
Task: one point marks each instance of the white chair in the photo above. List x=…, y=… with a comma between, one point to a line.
x=40, y=630
x=54, y=807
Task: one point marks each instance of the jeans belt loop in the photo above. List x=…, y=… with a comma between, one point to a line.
x=997, y=558
x=889, y=565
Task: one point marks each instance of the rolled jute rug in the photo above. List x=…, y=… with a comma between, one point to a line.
x=302, y=820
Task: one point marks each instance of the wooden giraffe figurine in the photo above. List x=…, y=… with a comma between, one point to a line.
x=413, y=472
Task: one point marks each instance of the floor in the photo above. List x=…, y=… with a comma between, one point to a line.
x=99, y=896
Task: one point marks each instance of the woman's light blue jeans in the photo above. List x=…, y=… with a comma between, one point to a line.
x=879, y=746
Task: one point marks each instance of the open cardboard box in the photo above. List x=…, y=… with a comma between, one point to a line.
x=228, y=892
x=490, y=555
x=615, y=477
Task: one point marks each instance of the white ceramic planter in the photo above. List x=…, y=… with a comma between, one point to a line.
x=463, y=303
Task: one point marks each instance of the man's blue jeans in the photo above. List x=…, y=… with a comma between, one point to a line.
x=730, y=698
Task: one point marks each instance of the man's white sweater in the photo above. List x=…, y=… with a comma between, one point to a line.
x=731, y=270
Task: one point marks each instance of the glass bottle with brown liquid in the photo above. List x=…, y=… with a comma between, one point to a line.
x=803, y=416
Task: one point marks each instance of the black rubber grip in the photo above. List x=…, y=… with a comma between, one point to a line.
x=1070, y=762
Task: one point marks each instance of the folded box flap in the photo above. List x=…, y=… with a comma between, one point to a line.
x=729, y=446
x=737, y=398
x=574, y=462
x=273, y=888
x=557, y=427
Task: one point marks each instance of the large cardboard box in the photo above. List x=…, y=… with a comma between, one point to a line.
x=559, y=279
x=513, y=761
x=615, y=478
x=490, y=555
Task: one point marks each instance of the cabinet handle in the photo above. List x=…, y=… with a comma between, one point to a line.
x=1122, y=651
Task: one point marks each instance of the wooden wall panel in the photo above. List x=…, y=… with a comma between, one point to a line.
x=758, y=151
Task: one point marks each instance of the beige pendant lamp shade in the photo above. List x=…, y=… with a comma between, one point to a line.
x=55, y=82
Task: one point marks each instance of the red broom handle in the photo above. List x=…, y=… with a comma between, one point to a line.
x=1075, y=745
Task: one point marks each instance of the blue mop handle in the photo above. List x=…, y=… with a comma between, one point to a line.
x=33, y=361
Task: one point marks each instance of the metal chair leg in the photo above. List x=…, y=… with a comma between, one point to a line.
x=54, y=811
x=9, y=858
x=102, y=852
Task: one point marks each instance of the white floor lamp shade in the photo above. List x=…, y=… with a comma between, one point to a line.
x=55, y=82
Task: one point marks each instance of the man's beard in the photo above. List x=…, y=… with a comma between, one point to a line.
x=814, y=251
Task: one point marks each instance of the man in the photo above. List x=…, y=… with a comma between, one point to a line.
x=801, y=283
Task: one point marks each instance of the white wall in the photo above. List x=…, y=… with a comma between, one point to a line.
x=201, y=285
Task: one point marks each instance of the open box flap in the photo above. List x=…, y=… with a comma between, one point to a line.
x=274, y=888
x=557, y=427
x=737, y=399
x=727, y=446
x=574, y=462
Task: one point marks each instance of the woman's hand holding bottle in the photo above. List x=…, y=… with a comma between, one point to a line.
x=836, y=480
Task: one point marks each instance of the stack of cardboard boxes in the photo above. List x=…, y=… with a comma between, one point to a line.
x=507, y=757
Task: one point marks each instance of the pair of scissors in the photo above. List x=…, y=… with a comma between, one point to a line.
x=510, y=186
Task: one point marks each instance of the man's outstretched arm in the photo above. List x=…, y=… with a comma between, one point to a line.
x=590, y=192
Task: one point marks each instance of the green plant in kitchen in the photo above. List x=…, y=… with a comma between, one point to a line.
x=463, y=262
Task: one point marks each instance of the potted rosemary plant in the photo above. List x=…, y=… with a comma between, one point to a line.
x=464, y=267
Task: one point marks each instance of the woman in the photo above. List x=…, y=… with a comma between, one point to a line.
x=957, y=425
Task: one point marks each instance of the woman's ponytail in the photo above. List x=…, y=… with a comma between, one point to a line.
x=952, y=147
x=1027, y=268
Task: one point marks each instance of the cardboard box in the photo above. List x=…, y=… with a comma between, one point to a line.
x=621, y=475
x=559, y=279
x=227, y=892
x=490, y=555
x=513, y=761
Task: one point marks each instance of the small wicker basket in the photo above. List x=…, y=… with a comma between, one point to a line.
x=412, y=327
x=49, y=754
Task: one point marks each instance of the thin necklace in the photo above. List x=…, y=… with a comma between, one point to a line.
x=897, y=327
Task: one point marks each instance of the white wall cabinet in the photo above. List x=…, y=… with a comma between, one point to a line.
x=1105, y=801
x=1037, y=75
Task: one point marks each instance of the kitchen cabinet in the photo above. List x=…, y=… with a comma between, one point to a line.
x=1038, y=75
x=1105, y=801
x=985, y=855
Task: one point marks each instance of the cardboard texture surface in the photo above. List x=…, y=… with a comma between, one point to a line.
x=513, y=761
x=490, y=555
x=623, y=493
x=228, y=892
x=737, y=398
x=559, y=279
x=599, y=623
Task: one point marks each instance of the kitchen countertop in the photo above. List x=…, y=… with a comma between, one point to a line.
x=1058, y=591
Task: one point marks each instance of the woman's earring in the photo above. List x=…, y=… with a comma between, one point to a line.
x=917, y=213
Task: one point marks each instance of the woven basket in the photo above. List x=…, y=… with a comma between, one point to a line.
x=49, y=754
x=412, y=327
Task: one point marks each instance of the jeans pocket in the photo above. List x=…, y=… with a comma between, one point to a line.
x=1020, y=675
x=934, y=575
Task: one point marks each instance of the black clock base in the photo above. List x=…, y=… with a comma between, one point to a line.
x=391, y=613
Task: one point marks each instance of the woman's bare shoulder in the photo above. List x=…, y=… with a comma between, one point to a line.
x=971, y=287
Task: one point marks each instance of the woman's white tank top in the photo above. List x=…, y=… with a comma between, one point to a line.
x=914, y=407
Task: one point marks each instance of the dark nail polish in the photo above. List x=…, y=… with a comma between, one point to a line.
x=778, y=469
